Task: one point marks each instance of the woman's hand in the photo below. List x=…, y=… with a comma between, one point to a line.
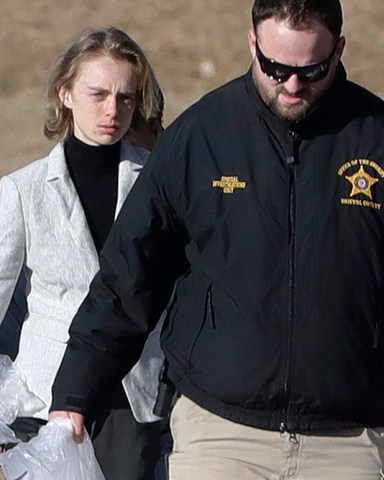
x=77, y=420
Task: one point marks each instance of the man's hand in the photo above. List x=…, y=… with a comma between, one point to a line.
x=77, y=420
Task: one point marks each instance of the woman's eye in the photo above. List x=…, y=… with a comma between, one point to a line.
x=97, y=95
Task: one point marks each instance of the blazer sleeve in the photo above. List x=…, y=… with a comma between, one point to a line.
x=12, y=241
x=139, y=264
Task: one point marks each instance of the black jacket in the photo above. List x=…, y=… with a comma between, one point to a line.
x=275, y=233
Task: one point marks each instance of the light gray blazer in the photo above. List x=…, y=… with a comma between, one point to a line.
x=44, y=228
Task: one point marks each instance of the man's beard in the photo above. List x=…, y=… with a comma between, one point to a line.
x=287, y=112
x=283, y=111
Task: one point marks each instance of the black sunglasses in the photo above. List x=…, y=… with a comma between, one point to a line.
x=281, y=73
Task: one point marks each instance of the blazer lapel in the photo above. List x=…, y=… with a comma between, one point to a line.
x=132, y=160
x=67, y=201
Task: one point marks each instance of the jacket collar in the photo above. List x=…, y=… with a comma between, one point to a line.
x=57, y=166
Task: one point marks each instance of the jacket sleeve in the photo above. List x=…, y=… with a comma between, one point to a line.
x=12, y=241
x=142, y=258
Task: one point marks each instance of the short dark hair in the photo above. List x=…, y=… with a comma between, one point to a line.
x=300, y=12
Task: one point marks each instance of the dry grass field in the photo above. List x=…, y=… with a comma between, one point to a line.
x=193, y=45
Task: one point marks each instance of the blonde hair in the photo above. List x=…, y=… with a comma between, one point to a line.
x=95, y=42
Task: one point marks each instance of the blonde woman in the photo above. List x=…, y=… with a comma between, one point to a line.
x=56, y=213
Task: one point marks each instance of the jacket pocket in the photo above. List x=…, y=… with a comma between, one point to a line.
x=229, y=355
x=208, y=317
x=186, y=317
x=209, y=313
x=376, y=336
x=171, y=313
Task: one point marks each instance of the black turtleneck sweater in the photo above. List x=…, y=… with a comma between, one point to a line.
x=94, y=171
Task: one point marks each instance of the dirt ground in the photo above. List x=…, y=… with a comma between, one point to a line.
x=194, y=46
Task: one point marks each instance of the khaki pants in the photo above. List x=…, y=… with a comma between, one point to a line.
x=208, y=447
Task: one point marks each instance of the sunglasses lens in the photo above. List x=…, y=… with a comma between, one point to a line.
x=313, y=74
x=278, y=72
x=281, y=74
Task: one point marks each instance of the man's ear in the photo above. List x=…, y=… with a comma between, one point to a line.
x=65, y=97
x=252, y=43
x=340, y=47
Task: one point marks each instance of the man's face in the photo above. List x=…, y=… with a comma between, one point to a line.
x=292, y=98
x=102, y=99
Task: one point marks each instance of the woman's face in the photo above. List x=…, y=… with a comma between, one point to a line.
x=102, y=99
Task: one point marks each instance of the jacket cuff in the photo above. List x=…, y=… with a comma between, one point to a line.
x=72, y=403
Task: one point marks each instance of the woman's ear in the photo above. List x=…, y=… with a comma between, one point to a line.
x=65, y=97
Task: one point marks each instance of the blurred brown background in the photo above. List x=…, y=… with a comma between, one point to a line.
x=194, y=46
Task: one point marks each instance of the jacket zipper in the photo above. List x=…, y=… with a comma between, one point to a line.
x=291, y=157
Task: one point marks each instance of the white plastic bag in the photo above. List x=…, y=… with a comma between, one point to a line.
x=15, y=399
x=52, y=455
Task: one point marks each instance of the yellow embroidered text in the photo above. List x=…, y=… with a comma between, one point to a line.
x=228, y=184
